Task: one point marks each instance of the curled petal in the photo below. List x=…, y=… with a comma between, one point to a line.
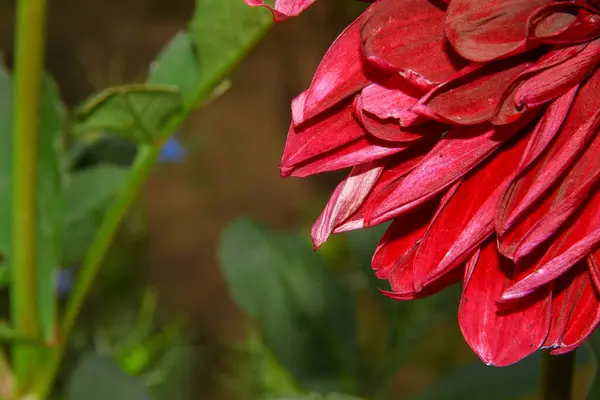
x=474, y=95
x=500, y=337
x=486, y=30
x=388, y=102
x=346, y=199
x=576, y=132
x=564, y=23
x=554, y=81
x=283, y=9
x=407, y=37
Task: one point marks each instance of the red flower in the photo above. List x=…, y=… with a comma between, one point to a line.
x=473, y=126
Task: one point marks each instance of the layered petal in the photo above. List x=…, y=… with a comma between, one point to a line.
x=461, y=150
x=575, y=310
x=407, y=37
x=486, y=30
x=572, y=245
x=467, y=219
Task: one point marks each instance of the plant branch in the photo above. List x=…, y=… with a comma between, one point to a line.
x=557, y=376
x=29, y=64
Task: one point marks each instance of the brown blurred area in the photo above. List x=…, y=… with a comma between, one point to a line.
x=236, y=142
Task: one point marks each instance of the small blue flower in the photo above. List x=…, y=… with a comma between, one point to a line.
x=172, y=151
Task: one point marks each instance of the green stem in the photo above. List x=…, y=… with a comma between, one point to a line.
x=557, y=376
x=29, y=56
x=147, y=156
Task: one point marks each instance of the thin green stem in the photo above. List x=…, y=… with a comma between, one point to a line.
x=557, y=376
x=29, y=45
x=147, y=156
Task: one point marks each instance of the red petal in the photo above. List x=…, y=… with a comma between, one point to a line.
x=386, y=102
x=567, y=197
x=578, y=129
x=389, y=129
x=346, y=199
x=398, y=166
x=500, y=337
x=574, y=244
x=508, y=109
x=575, y=310
x=564, y=23
x=283, y=9
x=452, y=157
x=485, y=30
x=554, y=81
x=358, y=152
x=467, y=219
x=339, y=74
x=594, y=267
x=407, y=36
x=473, y=96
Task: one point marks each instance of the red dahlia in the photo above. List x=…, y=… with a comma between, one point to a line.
x=472, y=126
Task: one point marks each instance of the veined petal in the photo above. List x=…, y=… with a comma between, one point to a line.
x=500, y=337
x=593, y=261
x=508, y=109
x=578, y=129
x=554, y=81
x=486, y=30
x=474, y=95
x=407, y=37
x=283, y=9
x=397, y=166
x=346, y=199
x=451, y=158
x=357, y=152
x=389, y=102
x=563, y=23
x=574, y=244
x=575, y=310
x=572, y=191
x=325, y=134
x=467, y=218
x=339, y=75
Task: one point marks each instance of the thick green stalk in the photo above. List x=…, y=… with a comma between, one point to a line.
x=30, y=42
x=557, y=376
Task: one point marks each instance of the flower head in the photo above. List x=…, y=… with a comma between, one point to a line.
x=473, y=126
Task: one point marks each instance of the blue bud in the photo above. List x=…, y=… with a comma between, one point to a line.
x=172, y=151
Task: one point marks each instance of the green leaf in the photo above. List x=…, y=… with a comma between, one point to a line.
x=135, y=112
x=98, y=378
x=51, y=173
x=87, y=194
x=305, y=315
x=223, y=32
x=176, y=65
